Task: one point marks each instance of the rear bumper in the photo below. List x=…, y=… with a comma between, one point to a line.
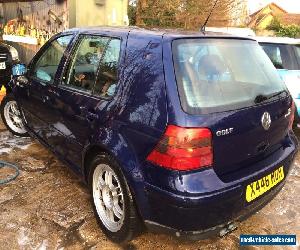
x=207, y=206
x=219, y=229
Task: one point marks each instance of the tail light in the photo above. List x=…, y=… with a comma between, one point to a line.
x=183, y=149
x=292, y=116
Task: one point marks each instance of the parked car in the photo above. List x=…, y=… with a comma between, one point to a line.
x=186, y=133
x=285, y=55
x=8, y=57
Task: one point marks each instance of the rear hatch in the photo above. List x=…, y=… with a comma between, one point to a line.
x=249, y=142
x=231, y=87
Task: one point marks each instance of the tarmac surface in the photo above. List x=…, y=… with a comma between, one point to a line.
x=47, y=207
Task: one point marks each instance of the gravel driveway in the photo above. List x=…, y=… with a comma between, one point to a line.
x=46, y=207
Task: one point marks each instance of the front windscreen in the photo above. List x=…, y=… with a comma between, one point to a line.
x=216, y=75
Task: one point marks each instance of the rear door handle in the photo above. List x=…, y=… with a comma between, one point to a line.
x=91, y=116
x=88, y=114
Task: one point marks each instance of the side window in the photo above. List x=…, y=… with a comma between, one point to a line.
x=297, y=49
x=274, y=53
x=107, y=79
x=281, y=55
x=46, y=66
x=82, y=70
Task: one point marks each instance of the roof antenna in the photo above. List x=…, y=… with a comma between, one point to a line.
x=203, y=26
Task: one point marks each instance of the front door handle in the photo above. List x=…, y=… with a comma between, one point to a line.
x=45, y=99
x=54, y=92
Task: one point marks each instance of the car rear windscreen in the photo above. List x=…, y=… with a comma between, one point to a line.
x=216, y=75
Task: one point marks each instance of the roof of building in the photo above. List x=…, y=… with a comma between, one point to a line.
x=268, y=5
x=260, y=15
x=290, y=19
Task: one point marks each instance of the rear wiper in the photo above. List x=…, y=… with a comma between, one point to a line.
x=262, y=98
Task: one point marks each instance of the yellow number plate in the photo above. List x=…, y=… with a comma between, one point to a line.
x=259, y=187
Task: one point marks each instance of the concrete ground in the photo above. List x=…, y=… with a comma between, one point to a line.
x=46, y=207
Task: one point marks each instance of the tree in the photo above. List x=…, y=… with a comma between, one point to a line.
x=132, y=15
x=281, y=30
x=188, y=14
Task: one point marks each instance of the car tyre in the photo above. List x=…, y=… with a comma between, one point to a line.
x=12, y=117
x=112, y=200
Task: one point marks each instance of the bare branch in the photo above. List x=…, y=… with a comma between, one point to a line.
x=190, y=14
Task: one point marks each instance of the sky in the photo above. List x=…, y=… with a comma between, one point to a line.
x=292, y=6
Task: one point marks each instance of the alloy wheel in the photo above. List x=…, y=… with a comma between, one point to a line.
x=13, y=117
x=108, y=197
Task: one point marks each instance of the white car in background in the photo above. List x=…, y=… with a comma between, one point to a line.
x=285, y=55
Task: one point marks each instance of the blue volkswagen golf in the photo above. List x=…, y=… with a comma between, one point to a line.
x=186, y=133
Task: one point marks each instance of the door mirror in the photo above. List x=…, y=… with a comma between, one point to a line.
x=19, y=70
x=22, y=81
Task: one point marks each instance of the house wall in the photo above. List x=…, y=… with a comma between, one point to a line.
x=88, y=13
x=265, y=22
x=72, y=13
x=263, y=18
x=35, y=15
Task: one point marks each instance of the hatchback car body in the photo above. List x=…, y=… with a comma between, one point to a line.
x=187, y=133
x=8, y=57
x=285, y=55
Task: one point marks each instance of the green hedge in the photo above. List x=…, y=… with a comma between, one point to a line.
x=284, y=30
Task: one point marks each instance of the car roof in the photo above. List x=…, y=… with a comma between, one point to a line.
x=277, y=40
x=168, y=33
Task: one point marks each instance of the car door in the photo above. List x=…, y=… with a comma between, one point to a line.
x=35, y=97
x=87, y=87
